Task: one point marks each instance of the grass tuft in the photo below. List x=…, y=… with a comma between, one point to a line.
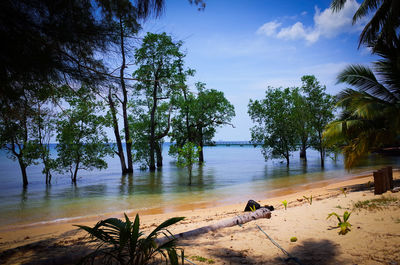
x=375, y=204
x=202, y=259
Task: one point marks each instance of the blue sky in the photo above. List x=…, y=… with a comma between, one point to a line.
x=242, y=47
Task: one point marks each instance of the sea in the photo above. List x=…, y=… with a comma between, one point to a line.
x=231, y=174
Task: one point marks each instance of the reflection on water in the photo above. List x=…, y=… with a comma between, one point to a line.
x=230, y=174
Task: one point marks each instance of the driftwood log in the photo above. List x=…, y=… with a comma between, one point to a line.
x=245, y=218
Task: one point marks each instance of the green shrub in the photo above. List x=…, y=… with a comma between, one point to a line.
x=122, y=242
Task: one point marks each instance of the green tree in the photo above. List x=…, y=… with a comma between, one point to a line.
x=320, y=112
x=275, y=119
x=370, y=117
x=199, y=116
x=383, y=27
x=158, y=60
x=16, y=132
x=303, y=117
x=82, y=142
x=42, y=133
x=188, y=155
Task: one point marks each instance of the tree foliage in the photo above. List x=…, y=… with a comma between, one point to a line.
x=188, y=155
x=199, y=117
x=82, y=142
x=159, y=60
x=320, y=106
x=276, y=126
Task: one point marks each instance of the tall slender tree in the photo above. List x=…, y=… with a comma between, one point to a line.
x=320, y=107
x=158, y=61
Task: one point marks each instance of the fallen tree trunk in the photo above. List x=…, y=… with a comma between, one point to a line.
x=238, y=220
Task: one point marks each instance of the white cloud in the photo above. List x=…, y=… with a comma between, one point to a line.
x=269, y=29
x=327, y=24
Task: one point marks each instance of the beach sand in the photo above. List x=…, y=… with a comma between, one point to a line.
x=374, y=237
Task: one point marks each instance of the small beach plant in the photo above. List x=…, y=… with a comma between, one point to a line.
x=344, y=225
x=253, y=208
x=285, y=204
x=344, y=191
x=309, y=199
x=122, y=242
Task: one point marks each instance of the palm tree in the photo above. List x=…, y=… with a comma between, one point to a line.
x=370, y=118
x=384, y=24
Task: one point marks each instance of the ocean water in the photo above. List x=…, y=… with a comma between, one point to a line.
x=230, y=174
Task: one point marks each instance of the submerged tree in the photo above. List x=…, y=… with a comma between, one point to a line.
x=16, y=131
x=320, y=107
x=188, y=155
x=199, y=117
x=82, y=142
x=276, y=127
x=303, y=117
x=158, y=60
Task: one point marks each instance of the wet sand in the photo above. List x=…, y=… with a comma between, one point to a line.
x=374, y=238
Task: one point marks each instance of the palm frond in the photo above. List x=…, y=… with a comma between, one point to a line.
x=337, y=5
x=365, y=80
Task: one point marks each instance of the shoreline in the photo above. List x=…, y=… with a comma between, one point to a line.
x=19, y=235
x=279, y=192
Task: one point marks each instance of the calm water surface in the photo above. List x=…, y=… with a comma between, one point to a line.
x=230, y=174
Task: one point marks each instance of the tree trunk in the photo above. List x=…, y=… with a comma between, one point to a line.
x=201, y=154
x=120, y=149
x=245, y=218
x=190, y=175
x=128, y=139
x=152, y=165
x=159, y=155
x=23, y=172
x=75, y=173
x=287, y=156
x=322, y=155
x=303, y=152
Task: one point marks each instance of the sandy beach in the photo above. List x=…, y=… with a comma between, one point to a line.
x=374, y=237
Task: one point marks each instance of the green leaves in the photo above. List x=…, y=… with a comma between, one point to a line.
x=188, y=155
x=122, y=242
x=82, y=142
x=285, y=203
x=343, y=225
x=276, y=127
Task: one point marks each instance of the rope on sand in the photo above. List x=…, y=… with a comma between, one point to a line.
x=290, y=257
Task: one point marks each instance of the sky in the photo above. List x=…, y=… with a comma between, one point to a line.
x=243, y=47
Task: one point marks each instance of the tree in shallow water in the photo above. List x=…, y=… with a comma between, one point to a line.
x=188, y=155
x=82, y=142
x=276, y=126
